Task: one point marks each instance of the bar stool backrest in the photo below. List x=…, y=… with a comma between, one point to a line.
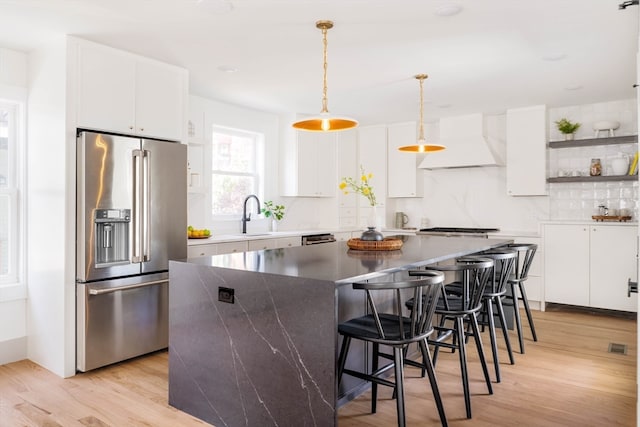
x=504, y=262
x=424, y=291
x=526, y=252
x=476, y=271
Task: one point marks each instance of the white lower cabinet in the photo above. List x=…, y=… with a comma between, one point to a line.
x=342, y=236
x=196, y=251
x=590, y=265
x=230, y=247
x=256, y=245
x=288, y=242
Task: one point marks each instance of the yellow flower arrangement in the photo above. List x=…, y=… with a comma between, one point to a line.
x=362, y=187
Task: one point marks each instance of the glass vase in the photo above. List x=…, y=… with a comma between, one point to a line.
x=372, y=218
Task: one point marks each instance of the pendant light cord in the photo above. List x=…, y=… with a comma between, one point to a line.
x=324, y=77
x=421, y=77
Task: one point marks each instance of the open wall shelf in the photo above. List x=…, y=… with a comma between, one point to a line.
x=612, y=140
x=562, y=179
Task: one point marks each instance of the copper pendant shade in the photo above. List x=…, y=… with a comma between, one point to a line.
x=421, y=146
x=325, y=122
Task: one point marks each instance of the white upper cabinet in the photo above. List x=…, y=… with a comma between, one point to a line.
x=372, y=150
x=526, y=151
x=161, y=97
x=347, y=167
x=124, y=93
x=402, y=167
x=310, y=165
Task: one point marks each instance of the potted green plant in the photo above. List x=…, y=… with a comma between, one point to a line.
x=273, y=211
x=567, y=128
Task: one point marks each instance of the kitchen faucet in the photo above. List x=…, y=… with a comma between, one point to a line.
x=246, y=218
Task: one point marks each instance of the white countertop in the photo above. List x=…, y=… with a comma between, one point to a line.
x=259, y=235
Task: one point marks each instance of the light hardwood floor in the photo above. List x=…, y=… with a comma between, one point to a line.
x=567, y=378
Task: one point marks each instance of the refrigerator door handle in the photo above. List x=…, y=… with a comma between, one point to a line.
x=146, y=207
x=93, y=291
x=136, y=214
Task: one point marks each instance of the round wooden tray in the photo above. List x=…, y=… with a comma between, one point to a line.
x=388, y=244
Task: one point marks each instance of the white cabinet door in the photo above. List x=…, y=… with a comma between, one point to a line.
x=195, y=125
x=230, y=247
x=256, y=245
x=289, y=242
x=343, y=236
x=124, y=93
x=566, y=263
x=160, y=100
x=195, y=251
x=106, y=89
x=402, y=167
x=372, y=150
x=526, y=151
x=307, y=164
x=313, y=173
x=613, y=263
x=347, y=147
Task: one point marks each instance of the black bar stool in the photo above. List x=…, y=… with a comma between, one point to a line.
x=462, y=309
x=398, y=331
x=504, y=261
x=526, y=252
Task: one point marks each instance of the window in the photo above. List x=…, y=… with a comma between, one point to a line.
x=237, y=167
x=9, y=203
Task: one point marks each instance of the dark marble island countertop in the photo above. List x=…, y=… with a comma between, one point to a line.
x=253, y=335
x=335, y=262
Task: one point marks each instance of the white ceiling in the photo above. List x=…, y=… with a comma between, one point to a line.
x=489, y=57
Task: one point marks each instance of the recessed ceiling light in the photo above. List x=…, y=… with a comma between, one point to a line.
x=227, y=69
x=554, y=56
x=445, y=106
x=573, y=87
x=448, y=9
x=218, y=7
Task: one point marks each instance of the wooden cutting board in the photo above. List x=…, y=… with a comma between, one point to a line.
x=611, y=218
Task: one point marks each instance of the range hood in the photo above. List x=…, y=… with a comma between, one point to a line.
x=466, y=144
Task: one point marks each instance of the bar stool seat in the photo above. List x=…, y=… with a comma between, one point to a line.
x=395, y=330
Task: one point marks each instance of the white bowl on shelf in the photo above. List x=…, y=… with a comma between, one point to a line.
x=605, y=125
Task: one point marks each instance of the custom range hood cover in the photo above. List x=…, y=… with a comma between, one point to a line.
x=466, y=144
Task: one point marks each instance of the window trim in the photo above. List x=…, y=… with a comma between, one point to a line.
x=14, y=287
x=258, y=174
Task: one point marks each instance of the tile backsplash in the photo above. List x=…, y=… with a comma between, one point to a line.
x=580, y=200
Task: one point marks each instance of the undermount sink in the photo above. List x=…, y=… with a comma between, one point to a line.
x=253, y=234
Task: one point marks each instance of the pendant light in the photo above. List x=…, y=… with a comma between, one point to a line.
x=421, y=145
x=325, y=122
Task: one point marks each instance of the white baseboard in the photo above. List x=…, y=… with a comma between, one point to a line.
x=13, y=350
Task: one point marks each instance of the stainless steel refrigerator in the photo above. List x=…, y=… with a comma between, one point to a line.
x=131, y=219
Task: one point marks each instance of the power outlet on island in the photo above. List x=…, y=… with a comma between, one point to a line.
x=226, y=295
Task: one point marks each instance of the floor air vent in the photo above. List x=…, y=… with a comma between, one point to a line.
x=617, y=348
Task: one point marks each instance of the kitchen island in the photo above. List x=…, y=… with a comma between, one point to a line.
x=253, y=335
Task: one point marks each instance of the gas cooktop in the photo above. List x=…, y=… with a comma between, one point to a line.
x=459, y=230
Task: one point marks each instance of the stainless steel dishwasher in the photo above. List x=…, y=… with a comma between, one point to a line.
x=316, y=239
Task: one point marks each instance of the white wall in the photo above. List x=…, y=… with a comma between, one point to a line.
x=13, y=307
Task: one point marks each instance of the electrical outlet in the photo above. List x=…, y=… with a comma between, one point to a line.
x=226, y=294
